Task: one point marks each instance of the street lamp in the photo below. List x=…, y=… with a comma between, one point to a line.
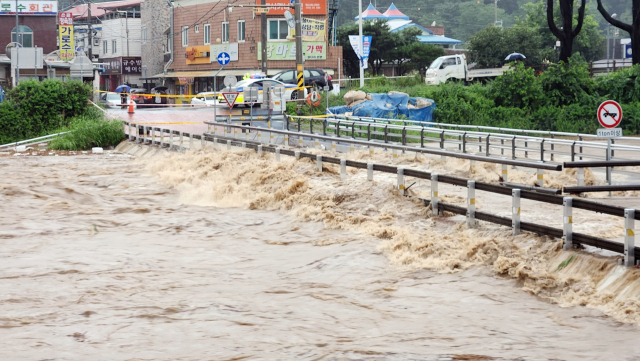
x=608, y=42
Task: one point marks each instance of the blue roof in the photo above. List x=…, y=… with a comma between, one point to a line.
x=435, y=39
x=410, y=25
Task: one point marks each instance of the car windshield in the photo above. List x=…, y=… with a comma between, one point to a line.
x=113, y=96
x=436, y=63
x=244, y=83
x=209, y=97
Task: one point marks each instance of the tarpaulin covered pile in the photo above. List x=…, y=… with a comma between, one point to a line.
x=391, y=105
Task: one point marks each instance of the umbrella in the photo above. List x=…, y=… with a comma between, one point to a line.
x=515, y=56
x=160, y=88
x=123, y=89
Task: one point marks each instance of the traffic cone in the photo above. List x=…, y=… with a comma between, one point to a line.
x=131, y=107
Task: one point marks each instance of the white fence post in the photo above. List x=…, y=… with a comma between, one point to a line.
x=629, y=237
x=297, y=154
x=286, y=140
x=277, y=154
x=260, y=150
x=190, y=141
x=259, y=136
x=434, y=194
x=505, y=172
x=144, y=134
x=515, y=211
x=170, y=138
x=401, y=181
x=243, y=144
x=180, y=148
x=540, y=177
x=343, y=169
x=580, y=173
x=153, y=135
x=333, y=146
x=228, y=144
x=471, y=204
x=567, y=229
x=161, y=138
x=351, y=148
x=300, y=142
x=395, y=154
x=472, y=166
x=369, y=171
x=319, y=162
x=370, y=150
x=316, y=143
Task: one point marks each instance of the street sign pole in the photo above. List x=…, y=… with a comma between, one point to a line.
x=299, y=50
x=17, y=48
x=263, y=38
x=361, y=46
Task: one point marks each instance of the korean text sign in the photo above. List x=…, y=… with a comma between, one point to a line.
x=309, y=7
x=8, y=7
x=313, y=50
x=65, y=27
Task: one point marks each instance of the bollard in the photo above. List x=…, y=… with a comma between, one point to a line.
x=333, y=146
x=370, y=150
x=580, y=173
x=277, y=154
x=153, y=135
x=243, y=144
x=271, y=138
x=540, y=178
x=395, y=154
x=567, y=229
x=297, y=154
x=259, y=136
x=471, y=204
x=434, y=194
x=629, y=237
x=472, y=166
x=505, y=172
x=161, y=138
x=515, y=211
x=170, y=139
x=343, y=169
x=443, y=158
x=316, y=143
x=180, y=148
x=228, y=144
x=235, y=133
x=351, y=148
x=209, y=128
x=260, y=150
x=369, y=171
x=286, y=140
x=191, y=141
x=401, y=181
x=319, y=162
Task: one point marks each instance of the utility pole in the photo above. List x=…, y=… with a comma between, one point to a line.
x=90, y=46
x=496, y=11
x=299, y=51
x=361, y=46
x=17, y=47
x=263, y=38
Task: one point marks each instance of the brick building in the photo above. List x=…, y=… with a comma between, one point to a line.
x=204, y=28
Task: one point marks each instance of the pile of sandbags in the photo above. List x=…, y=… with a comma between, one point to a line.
x=354, y=97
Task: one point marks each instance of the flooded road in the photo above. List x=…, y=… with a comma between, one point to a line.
x=106, y=258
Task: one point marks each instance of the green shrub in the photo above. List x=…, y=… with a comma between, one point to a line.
x=88, y=131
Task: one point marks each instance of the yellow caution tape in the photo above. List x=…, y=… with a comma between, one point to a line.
x=472, y=201
x=630, y=232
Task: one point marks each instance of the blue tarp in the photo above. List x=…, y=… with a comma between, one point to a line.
x=389, y=106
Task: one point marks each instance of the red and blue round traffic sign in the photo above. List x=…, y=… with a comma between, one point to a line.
x=609, y=114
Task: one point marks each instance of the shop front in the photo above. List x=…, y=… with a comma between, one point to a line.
x=120, y=70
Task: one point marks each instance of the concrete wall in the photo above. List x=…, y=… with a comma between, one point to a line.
x=155, y=19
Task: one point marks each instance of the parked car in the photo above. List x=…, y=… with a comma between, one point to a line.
x=112, y=100
x=138, y=95
x=311, y=76
x=204, y=98
x=148, y=97
x=290, y=90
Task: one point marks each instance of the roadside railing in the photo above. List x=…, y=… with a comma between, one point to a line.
x=570, y=239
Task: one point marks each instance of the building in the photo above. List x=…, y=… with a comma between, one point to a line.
x=203, y=29
x=156, y=50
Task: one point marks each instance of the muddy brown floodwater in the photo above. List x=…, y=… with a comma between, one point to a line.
x=103, y=258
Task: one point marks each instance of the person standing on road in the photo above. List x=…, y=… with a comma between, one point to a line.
x=123, y=100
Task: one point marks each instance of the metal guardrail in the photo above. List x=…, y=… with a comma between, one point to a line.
x=570, y=238
x=607, y=188
x=44, y=139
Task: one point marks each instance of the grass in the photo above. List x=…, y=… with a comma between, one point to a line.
x=88, y=131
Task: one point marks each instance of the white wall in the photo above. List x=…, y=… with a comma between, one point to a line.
x=116, y=29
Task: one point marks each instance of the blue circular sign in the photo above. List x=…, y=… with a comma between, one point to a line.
x=223, y=58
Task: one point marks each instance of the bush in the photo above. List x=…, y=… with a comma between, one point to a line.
x=88, y=131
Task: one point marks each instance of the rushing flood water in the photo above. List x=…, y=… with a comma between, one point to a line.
x=102, y=261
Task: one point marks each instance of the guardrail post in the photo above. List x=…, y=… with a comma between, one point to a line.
x=153, y=135
x=300, y=142
x=343, y=169
x=404, y=136
x=369, y=171
x=338, y=129
x=401, y=181
x=353, y=130
x=215, y=142
x=144, y=135
x=370, y=150
x=434, y=194
x=608, y=159
x=580, y=174
x=471, y=204
x=394, y=154
x=310, y=126
x=472, y=166
x=286, y=140
x=181, y=148
x=505, y=172
x=235, y=133
x=316, y=143
x=487, y=145
x=573, y=151
x=459, y=142
x=297, y=154
x=540, y=177
x=442, y=139
x=277, y=154
x=542, y=151
x=567, y=229
x=513, y=147
x=580, y=139
x=131, y=132
x=515, y=211
x=629, y=237
x=228, y=144
x=324, y=127
x=526, y=146
x=613, y=142
x=170, y=139
x=260, y=150
x=161, y=137
x=298, y=125
x=208, y=128
x=190, y=141
x=501, y=144
x=272, y=139
x=464, y=142
x=385, y=134
x=202, y=140
x=422, y=137
x=552, y=147
x=137, y=134
x=368, y=132
x=259, y=134
x=319, y=162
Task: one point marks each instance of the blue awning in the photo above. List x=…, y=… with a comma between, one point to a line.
x=435, y=39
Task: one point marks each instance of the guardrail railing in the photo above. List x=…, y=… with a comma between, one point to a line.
x=570, y=239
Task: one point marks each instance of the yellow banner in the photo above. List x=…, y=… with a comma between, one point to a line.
x=67, y=50
x=312, y=30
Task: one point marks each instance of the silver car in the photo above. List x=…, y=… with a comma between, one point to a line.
x=112, y=100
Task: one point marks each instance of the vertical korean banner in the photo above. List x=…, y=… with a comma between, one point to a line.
x=65, y=25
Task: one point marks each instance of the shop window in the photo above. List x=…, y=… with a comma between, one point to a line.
x=105, y=47
x=278, y=29
x=225, y=31
x=185, y=36
x=207, y=34
x=197, y=28
x=240, y=30
x=24, y=36
x=144, y=34
x=114, y=46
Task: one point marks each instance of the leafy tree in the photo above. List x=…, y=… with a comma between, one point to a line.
x=422, y=55
x=400, y=55
x=383, y=40
x=518, y=88
x=633, y=29
x=491, y=45
x=567, y=33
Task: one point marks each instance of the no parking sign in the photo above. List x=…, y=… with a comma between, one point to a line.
x=609, y=116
